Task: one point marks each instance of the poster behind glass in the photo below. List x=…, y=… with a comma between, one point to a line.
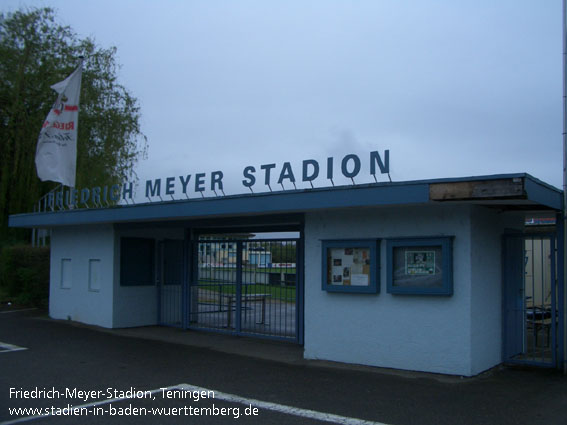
x=418, y=267
x=348, y=266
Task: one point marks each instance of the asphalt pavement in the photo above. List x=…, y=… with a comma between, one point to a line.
x=70, y=373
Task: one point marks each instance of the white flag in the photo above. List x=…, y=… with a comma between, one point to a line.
x=56, y=153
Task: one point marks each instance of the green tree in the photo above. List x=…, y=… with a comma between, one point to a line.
x=36, y=52
x=284, y=252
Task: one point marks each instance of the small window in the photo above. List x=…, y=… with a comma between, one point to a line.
x=136, y=262
x=420, y=266
x=66, y=273
x=95, y=273
x=350, y=266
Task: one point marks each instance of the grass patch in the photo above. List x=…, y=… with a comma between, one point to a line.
x=281, y=293
x=289, y=270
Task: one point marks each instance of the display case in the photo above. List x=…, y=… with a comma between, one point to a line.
x=350, y=266
x=421, y=266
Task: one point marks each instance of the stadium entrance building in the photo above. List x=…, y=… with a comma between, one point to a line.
x=448, y=276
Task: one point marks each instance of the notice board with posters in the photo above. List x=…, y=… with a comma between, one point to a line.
x=350, y=266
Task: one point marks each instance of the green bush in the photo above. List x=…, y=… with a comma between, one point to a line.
x=24, y=275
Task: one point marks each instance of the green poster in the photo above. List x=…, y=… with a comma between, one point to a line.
x=420, y=262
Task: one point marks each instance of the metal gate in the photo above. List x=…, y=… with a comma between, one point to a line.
x=171, y=288
x=246, y=287
x=530, y=299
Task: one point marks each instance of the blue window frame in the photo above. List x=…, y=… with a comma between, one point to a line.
x=420, y=266
x=137, y=262
x=351, y=266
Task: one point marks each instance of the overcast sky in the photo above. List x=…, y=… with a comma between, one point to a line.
x=451, y=88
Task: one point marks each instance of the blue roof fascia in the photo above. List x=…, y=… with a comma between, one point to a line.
x=542, y=193
x=301, y=200
x=261, y=203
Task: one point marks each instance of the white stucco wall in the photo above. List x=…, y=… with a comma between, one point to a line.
x=76, y=246
x=138, y=305
x=423, y=333
x=109, y=304
x=459, y=334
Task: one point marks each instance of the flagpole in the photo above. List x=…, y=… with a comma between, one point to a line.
x=564, y=283
x=70, y=204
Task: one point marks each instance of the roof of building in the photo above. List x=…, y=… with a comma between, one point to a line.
x=505, y=191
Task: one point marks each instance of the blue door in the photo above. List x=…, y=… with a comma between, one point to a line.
x=171, y=283
x=513, y=296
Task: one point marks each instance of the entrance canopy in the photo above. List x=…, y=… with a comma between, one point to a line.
x=505, y=191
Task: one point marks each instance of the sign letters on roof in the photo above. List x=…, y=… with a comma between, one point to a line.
x=252, y=177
